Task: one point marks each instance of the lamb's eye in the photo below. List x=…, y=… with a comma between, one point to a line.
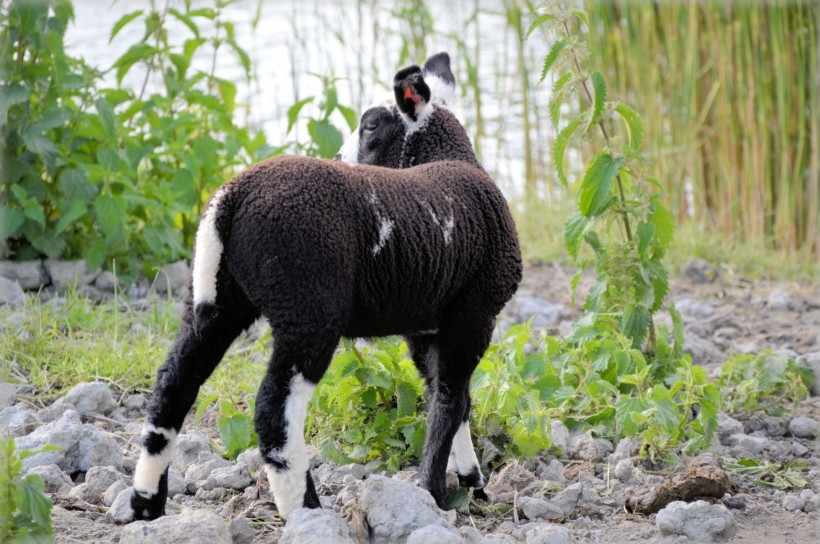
x=370, y=126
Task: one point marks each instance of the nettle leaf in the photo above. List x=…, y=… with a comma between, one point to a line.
x=327, y=137
x=184, y=19
x=235, y=432
x=628, y=412
x=581, y=14
x=599, y=98
x=350, y=116
x=136, y=53
x=540, y=20
x=552, y=56
x=660, y=283
x=664, y=225
x=560, y=147
x=31, y=500
x=634, y=124
x=574, y=229
x=554, y=104
x=293, y=111
x=406, y=398
x=120, y=24
x=10, y=221
x=665, y=409
x=644, y=233
x=596, y=189
x=635, y=323
x=75, y=210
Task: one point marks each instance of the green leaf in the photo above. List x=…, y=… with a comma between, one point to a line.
x=110, y=211
x=664, y=225
x=625, y=411
x=540, y=20
x=235, y=432
x=124, y=20
x=406, y=398
x=10, y=95
x=109, y=120
x=644, y=233
x=560, y=147
x=635, y=323
x=74, y=185
x=460, y=501
x=293, y=111
x=34, y=211
x=350, y=116
x=136, y=53
x=664, y=408
x=10, y=221
x=30, y=498
x=599, y=98
x=574, y=229
x=581, y=14
x=596, y=189
x=327, y=138
x=185, y=20
x=75, y=210
x=634, y=125
x=554, y=104
x=552, y=56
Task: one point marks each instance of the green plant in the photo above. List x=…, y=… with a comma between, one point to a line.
x=770, y=474
x=25, y=510
x=769, y=381
x=325, y=137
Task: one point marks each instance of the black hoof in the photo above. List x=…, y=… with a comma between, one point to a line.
x=474, y=479
x=147, y=508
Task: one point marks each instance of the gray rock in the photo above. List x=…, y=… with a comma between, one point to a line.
x=803, y=427
x=624, y=449
x=798, y=449
x=394, y=509
x=624, y=470
x=435, y=534
x=252, y=460
x=83, y=446
x=230, y=477
x=187, y=449
x=172, y=277
x=780, y=300
x=560, y=436
x=812, y=360
x=54, y=479
x=553, y=472
x=103, y=477
x=8, y=392
x=543, y=312
x=66, y=274
x=699, y=271
x=573, y=496
x=29, y=274
x=200, y=471
x=471, y=535
x=792, y=503
x=533, y=508
x=590, y=449
x=695, y=309
x=87, y=492
x=241, y=531
x=316, y=526
x=728, y=426
x=176, y=482
x=113, y=492
x=120, y=510
x=87, y=398
x=753, y=444
x=11, y=293
x=549, y=533
x=192, y=526
x=18, y=420
x=699, y=521
x=106, y=282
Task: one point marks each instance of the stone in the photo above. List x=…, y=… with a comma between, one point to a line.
x=8, y=392
x=510, y=481
x=435, y=534
x=199, y=472
x=394, y=509
x=106, y=282
x=792, y=503
x=241, y=531
x=699, y=271
x=624, y=470
x=103, y=477
x=534, y=508
x=803, y=427
x=11, y=293
x=316, y=526
x=728, y=426
x=470, y=535
x=252, y=459
x=572, y=497
x=176, y=482
x=113, y=492
x=67, y=274
x=172, y=278
x=587, y=448
x=192, y=526
x=87, y=398
x=542, y=312
x=624, y=449
x=332, y=479
x=231, y=477
x=87, y=492
x=187, y=449
x=18, y=420
x=548, y=533
x=699, y=521
x=695, y=309
x=28, y=274
x=83, y=445
x=755, y=445
x=54, y=479
x=553, y=472
x=560, y=436
x=120, y=510
x=780, y=300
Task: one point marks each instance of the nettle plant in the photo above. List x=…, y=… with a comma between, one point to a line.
x=622, y=230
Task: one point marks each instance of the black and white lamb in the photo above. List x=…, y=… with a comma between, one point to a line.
x=323, y=249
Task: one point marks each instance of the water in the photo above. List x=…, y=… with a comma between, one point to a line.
x=360, y=42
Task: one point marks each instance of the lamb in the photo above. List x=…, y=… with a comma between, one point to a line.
x=322, y=249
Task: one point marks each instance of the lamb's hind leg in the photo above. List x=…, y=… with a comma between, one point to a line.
x=297, y=365
x=192, y=359
x=461, y=342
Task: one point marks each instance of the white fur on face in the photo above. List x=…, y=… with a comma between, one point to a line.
x=462, y=455
x=151, y=467
x=349, y=152
x=207, y=253
x=289, y=485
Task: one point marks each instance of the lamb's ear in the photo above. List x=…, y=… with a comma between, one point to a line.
x=440, y=78
x=412, y=93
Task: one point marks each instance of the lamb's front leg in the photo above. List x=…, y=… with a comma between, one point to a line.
x=281, y=409
x=463, y=460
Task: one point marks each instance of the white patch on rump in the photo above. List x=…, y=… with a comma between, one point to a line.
x=289, y=485
x=462, y=455
x=207, y=253
x=150, y=467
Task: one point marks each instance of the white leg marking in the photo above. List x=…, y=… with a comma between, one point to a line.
x=289, y=485
x=207, y=253
x=462, y=455
x=150, y=467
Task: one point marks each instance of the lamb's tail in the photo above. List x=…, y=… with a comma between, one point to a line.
x=208, y=251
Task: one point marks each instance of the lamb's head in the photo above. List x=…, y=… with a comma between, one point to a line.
x=416, y=126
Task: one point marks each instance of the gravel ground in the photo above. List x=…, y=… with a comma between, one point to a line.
x=589, y=494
